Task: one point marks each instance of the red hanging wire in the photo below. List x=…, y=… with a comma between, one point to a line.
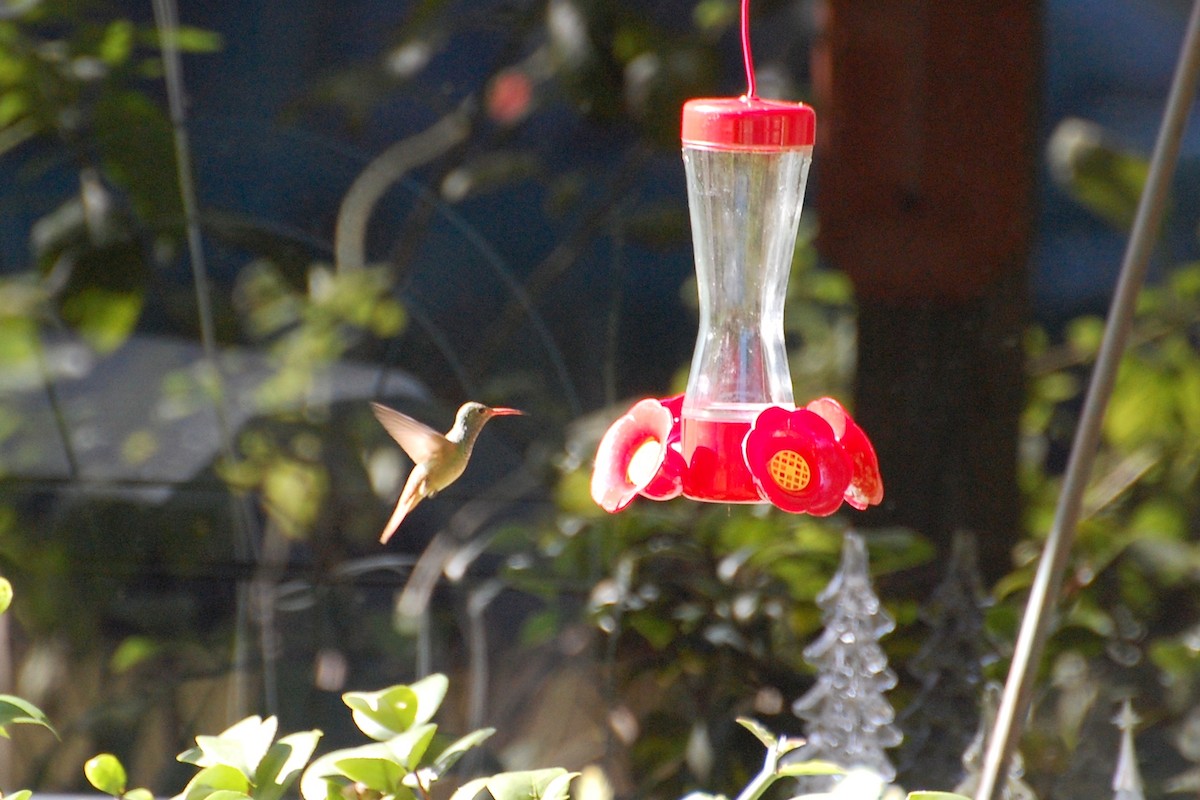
x=747, y=57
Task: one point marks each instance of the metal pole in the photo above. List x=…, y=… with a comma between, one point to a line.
x=1014, y=704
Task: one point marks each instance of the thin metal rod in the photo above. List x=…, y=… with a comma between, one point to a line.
x=166, y=16
x=167, y=20
x=1014, y=704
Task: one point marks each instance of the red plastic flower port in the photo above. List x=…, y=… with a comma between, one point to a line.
x=866, y=484
x=797, y=462
x=640, y=454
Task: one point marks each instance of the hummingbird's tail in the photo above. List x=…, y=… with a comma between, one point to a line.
x=406, y=504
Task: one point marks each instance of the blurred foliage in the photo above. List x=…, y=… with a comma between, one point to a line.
x=74, y=76
x=1143, y=509
x=1103, y=178
x=1129, y=611
x=247, y=762
x=690, y=615
x=17, y=710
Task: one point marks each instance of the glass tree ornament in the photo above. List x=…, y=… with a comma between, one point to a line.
x=1013, y=787
x=849, y=719
x=1127, y=778
x=940, y=720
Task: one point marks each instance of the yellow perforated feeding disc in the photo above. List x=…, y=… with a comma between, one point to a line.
x=789, y=470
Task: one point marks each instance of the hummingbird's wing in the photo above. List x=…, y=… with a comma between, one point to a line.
x=418, y=440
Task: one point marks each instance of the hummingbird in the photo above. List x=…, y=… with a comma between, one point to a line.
x=437, y=459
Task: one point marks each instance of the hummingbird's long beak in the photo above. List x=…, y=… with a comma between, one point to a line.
x=506, y=412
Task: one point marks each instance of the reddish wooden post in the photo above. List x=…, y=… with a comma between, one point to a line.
x=925, y=165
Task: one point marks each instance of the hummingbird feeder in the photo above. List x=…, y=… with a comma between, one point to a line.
x=735, y=435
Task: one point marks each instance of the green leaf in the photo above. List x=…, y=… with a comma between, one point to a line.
x=409, y=747
x=293, y=492
x=1184, y=282
x=241, y=746
x=6, y=594
x=802, y=768
x=215, y=779
x=322, y=780
x=714, y=16
x=22, y=794
x=16, y=711
x=225, y=794
x=1105, y=180
x=560, y=787
x=936, y=796
x=1141, y=408
x=374, y=765
x=133, y=650
x=383, y=714
x=430, y=692
x=381, y=774
x=450, y=756
x=13, y=105
x=1084, y=334
x=103, y=318
x=759, y=730
x=468, y=791
x=189, y=39
x=371, y=750
x=1159, y=518
x=136, y=142
x=138, y=794
x=117, y=44
x=538, y=784
x=19, y=349
x=654, y=629
x=283, y=762
x=106, y=774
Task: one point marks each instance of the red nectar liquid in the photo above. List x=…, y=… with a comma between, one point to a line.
x=717, y=470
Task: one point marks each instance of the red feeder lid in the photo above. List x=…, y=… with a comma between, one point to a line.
x=747, y=123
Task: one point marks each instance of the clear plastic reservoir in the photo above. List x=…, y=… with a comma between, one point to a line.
x=745, y=193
